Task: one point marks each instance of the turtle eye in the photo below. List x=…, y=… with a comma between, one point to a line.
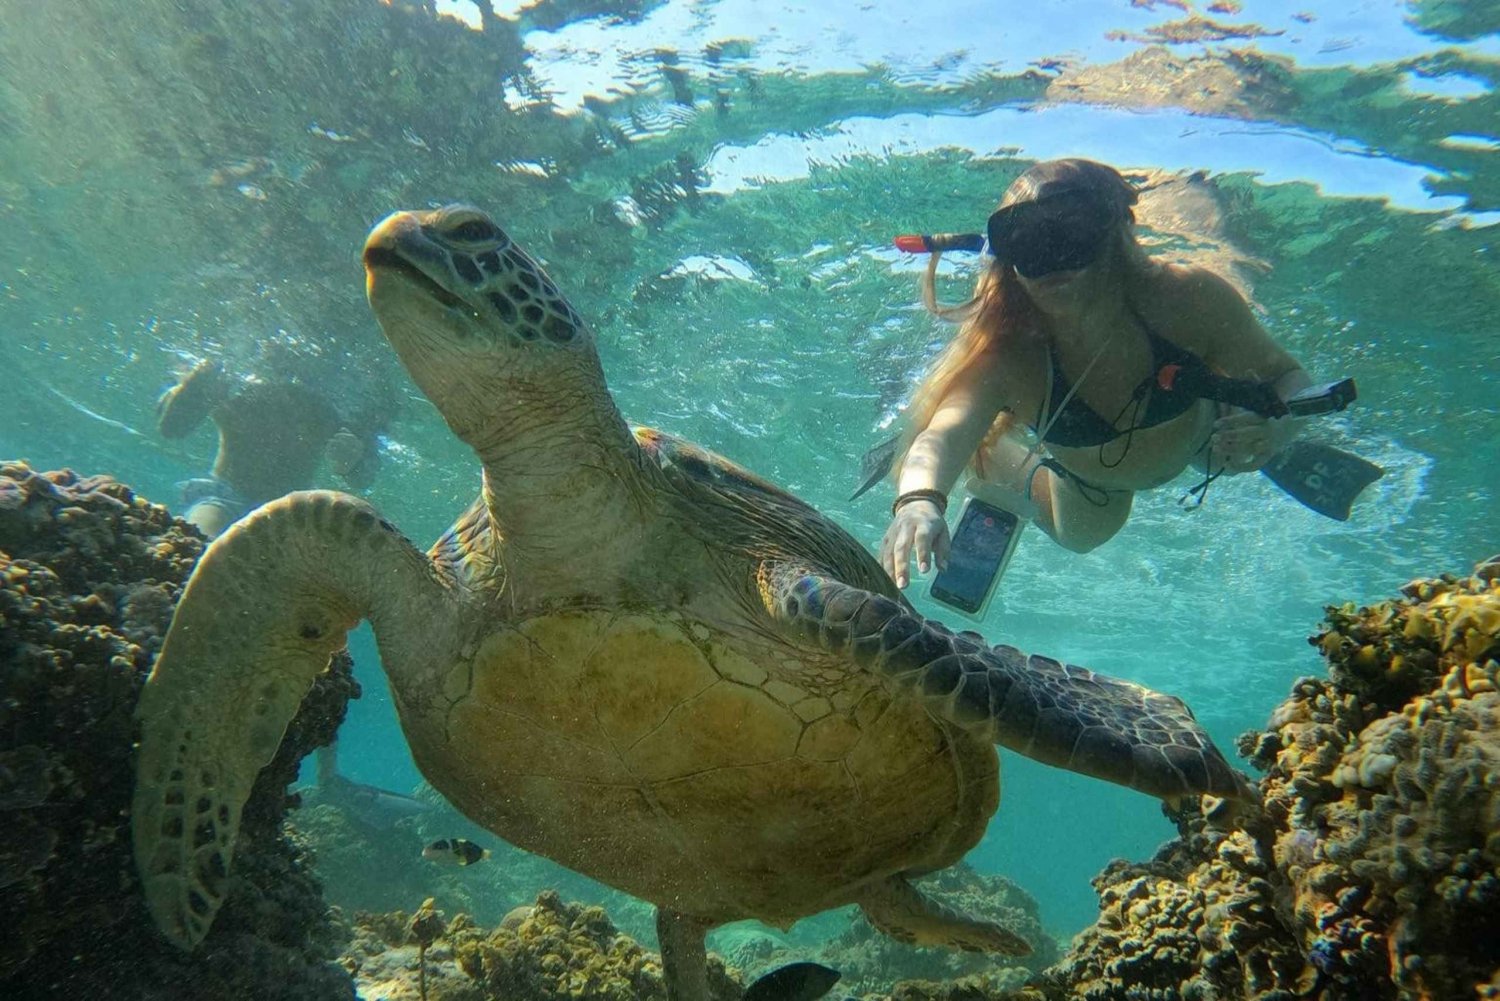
x=476, y=231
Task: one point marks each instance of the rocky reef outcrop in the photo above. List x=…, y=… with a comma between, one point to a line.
x=1241, y=83
x=89, y=575
x=1373, y=870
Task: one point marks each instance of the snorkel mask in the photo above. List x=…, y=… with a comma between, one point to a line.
x=1059, y=216
x=1063, y=232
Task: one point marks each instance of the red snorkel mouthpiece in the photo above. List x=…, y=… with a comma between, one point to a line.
x=933, y=243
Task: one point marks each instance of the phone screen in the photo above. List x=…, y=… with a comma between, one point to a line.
x=981, y=545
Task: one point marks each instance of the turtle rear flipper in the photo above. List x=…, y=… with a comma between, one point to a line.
x=906, y=914
x=1056, y=713
x=268, y=603
x=684, y=955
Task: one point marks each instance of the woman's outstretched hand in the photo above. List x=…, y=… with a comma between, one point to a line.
x=918, y=529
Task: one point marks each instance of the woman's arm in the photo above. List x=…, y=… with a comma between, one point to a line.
x=1219, y=325
x=1228, y=337
x=945, y=446
x=938, y=454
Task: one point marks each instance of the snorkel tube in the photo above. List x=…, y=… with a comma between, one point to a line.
x=938, y=243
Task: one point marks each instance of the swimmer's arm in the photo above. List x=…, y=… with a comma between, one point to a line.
x=1236, y=344
x=940, y=451
x=938, y=454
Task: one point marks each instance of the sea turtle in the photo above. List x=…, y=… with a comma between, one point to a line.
x=629, y=654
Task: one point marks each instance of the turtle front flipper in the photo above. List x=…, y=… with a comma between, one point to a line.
x=906, y=914
x=1056, y=713
x=268, y=603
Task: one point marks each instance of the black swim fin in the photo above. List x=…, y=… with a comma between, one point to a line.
x=1323, y=478
x=793, y=982
x=876, y=464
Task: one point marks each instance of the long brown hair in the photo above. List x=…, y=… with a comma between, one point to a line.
x=995, y=318
x=999, y=316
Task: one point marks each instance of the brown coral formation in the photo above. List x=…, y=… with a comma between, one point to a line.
x=1384, y=783
x=1372, y=872
x=544, y=951
x=89, y=574
x=1197, y=921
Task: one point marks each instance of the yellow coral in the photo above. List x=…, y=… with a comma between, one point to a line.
x=1468, y=680
x=1473, y=623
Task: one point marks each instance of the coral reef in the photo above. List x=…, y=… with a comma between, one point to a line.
x=1384, y=786
x=89, y=574
x=542, y=951
x=375, y=870
x=1197, y=921
x=551, y=949
x=363, y=868
x=1371, y=871
x=976, y=988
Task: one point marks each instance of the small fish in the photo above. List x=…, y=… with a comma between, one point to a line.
x=455, y=851
x=793, y=982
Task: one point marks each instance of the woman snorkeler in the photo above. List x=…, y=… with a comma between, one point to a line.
x=1076, y=333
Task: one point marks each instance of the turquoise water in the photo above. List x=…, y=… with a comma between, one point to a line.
x=715, y=185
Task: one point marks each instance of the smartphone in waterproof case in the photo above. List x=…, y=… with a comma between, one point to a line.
x=982, y=544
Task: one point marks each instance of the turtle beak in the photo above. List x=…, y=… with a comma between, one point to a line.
x=398, y=250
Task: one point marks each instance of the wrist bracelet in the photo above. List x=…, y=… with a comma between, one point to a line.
x=936, y=496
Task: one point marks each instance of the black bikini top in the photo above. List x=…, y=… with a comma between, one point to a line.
x=1079, y=425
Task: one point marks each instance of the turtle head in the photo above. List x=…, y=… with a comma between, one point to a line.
x=478, y=324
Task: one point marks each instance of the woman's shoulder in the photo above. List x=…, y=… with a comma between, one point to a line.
x=1190, y=305
x=1191, y=287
